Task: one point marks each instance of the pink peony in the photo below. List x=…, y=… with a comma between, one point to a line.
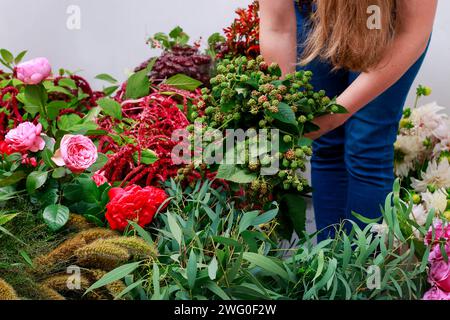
x=436, y=253
x=76, y=152
x=440, y=232
x=440, y=275
x=436, y=294
x=33, y=71
x=99, y=179
x=26, y=137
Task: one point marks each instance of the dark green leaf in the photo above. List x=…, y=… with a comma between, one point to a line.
x=56, y=216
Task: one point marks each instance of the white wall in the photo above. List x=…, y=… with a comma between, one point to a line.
x=113, y=33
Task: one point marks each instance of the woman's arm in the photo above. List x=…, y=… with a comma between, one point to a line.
x=416, y=24
x=278, y=33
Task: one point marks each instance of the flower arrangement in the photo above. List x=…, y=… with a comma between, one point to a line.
x=422, y=158
x=98, y=169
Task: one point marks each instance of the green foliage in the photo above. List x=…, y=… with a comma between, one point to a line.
x=207, y=249
x=183, y=82
x=211, y=250
x=177, y=36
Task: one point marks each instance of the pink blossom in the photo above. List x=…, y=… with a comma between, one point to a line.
x=436, y=294
x=436, y=253
x=34, y=71
x=440, y=232
x=439, y=275
x=76, y=152
x=29, y=161
x=99, y=179
x=25, y=137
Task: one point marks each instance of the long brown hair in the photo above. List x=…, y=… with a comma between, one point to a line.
x=341, y=36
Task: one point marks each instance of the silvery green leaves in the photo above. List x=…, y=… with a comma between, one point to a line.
x=207, y=248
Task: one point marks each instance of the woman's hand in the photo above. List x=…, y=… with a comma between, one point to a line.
x=327, y=123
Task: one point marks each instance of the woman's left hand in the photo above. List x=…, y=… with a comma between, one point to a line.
x=327, y=123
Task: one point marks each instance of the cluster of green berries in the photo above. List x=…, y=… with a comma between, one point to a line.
x=252, y=89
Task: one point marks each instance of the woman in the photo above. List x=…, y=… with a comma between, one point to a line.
x=367, y=54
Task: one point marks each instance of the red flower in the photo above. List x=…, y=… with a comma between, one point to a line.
x=5, y=148
x=133, y=203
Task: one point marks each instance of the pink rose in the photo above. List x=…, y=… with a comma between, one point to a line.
x=33, y=71
x=26, y=137
x=99, y=179
x=436, y=294
x=77, y=153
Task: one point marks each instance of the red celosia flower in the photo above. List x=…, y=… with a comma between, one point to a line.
x=133, y=203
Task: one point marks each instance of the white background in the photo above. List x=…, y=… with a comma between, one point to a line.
x=113, y=34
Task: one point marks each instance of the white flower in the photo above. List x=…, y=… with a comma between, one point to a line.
x=419, y=215
x=436, y=200
x=437, y=175
x=426, y=119
x=442, y=132
x=380, y=229
x=412, y=149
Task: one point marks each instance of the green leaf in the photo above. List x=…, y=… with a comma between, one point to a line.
x=214, y=288
x=110, y=90
x=212, y=268
x=305, y=142
x=100, y=163
x=156, y=279
x=107, y=78
x=265, y=217
x=235, y=174
x=138, y=85
x=35, y=180
x=5, y=218
x=7, y=56
x=174, y=228
x=114, y=275
x=12, y=179
x=54, y=108
x=266, y=264
x=59, y=173
x=33, y=110
x=56, y=216
x=111, y=107
x=148, y=157
x=36, y=95
x=20, y=56
x=47, y=155
x=364, y=219
x=247, y=220
x=293, y=207
x=68, y=83
x=192, y=270
x=284, y=114
x=142, y=233
x=183, y=82
x=26, y=257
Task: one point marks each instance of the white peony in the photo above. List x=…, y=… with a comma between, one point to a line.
x=437, y=175
x=436, y=200
x=419, y=215
x=426, y=119
x=412, y=149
